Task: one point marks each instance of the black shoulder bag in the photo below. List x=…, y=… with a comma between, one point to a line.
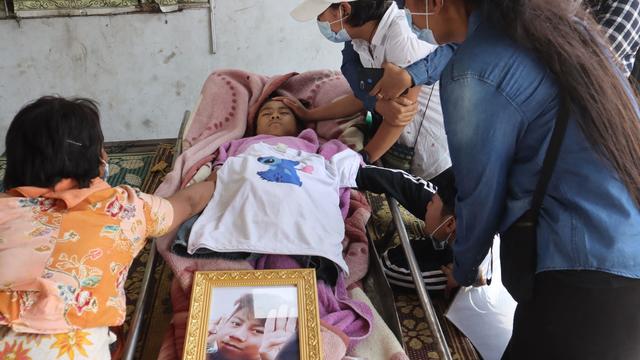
x=518, y=250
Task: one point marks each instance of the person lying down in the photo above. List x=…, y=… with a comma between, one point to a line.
x=279, y=192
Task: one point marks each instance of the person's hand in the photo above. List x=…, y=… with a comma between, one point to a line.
x=397, y=112
x=394, y=82
x=296, y=106
x=279, y=328
x=452, y=284
x=214, y=328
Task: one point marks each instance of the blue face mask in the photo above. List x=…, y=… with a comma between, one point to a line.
x=105, y=174
x=339, y=37
x=425, y=34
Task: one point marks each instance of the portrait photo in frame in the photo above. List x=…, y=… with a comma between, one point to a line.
x=254, y=314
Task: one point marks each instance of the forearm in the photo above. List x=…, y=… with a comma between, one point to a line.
x=382, y=140
x=345, y=106
x=427, y=71
x=412, y=192
x=191, y=200
x=481, y=171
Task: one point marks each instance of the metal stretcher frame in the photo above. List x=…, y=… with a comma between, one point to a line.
x=375, y=281
x=144, y=303
x=432, y=319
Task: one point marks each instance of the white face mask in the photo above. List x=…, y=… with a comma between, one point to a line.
x=425, y=34
x=440, y=244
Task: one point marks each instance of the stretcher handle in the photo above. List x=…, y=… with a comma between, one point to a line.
x=432, y=319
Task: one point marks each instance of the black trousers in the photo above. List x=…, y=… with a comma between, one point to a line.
x=578, y=315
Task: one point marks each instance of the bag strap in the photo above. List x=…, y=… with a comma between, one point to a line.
x=551, y=156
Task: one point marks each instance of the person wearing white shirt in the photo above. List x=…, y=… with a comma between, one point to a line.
x=381, y=33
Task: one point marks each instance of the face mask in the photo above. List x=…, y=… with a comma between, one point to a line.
x=339, y=37
x=439, y=244
x=105, y=174
x=425, y=34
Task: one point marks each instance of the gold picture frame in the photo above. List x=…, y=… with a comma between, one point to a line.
x=210, y=296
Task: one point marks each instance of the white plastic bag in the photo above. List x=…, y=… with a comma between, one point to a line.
x=485, y=314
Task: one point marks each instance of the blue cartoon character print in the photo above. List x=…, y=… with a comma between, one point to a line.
x=280, y=170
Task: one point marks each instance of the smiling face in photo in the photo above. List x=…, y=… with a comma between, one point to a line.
x=241, y=336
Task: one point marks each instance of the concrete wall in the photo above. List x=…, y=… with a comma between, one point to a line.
x=146, y=69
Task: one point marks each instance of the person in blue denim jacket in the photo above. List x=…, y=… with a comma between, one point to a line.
x=500, y=98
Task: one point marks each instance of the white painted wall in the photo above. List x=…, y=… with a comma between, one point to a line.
x=146, y=69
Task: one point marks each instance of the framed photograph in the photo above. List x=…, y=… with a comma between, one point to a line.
x=254, y=315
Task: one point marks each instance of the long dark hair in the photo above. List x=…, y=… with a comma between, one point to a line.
x=566, y=38
x=51, y=139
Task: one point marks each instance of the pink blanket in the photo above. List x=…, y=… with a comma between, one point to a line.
x=227, y=107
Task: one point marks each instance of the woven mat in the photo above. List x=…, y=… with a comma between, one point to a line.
x=417, y=336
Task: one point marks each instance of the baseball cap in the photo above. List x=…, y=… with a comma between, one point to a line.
x=310, y=9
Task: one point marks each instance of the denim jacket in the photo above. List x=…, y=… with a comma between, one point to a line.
x=500, y=104
x=431, y=67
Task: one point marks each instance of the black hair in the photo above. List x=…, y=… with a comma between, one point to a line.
x=246, y=302
x=447, y=191
x=363, y=11
x=51, y=139
x=300, y=124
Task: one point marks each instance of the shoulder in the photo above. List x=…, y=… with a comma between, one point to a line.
x=489, y=58
x=487, y=50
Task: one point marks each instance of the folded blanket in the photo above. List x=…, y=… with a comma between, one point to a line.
x=382, y=344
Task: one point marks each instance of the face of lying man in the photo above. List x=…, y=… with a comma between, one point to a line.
x=275, y=118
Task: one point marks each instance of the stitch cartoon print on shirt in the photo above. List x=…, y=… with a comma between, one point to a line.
x=280, y=170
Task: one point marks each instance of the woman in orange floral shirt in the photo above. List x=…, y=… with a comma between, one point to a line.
x=67, y=238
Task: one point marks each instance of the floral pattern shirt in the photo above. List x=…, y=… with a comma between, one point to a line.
x=65, y=253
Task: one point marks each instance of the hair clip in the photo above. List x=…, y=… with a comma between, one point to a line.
x=73, y=142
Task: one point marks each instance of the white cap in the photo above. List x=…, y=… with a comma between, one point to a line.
x=311, y=9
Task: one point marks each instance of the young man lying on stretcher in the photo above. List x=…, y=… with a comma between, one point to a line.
x=279, y=193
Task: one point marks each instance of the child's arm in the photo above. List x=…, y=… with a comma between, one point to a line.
x=392, y=127
x=412, y=192
x=343, y=107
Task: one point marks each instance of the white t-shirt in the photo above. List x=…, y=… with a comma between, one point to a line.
x=278, y=200
x=394, y=42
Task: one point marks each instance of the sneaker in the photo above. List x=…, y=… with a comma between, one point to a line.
x=396, y=267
